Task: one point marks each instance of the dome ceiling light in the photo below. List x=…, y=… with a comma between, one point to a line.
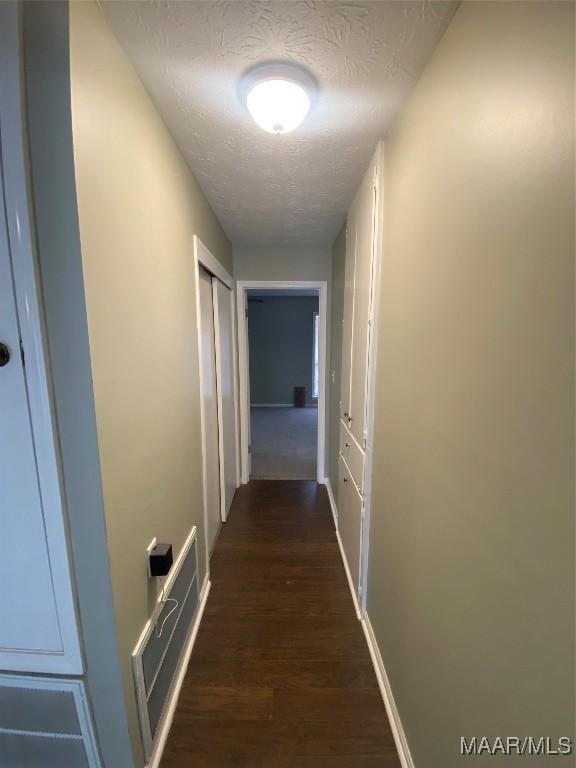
x=278, y=95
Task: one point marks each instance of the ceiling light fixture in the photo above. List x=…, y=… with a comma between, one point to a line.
x=278, y=95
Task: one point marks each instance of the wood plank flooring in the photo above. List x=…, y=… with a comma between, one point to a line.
x=280, y=676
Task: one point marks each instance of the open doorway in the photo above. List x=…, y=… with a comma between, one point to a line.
x=282, y=358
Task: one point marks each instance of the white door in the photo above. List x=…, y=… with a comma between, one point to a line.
x=350, y=521
x=364, y=207
x=348, y=315
x=211, y=455
x=29, y=622
x=38, y=630
x=223, y=324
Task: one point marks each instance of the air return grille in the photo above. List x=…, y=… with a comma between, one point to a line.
x=155, y=659
x=44, y=723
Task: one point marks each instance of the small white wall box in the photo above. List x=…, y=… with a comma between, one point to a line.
x=160, y=559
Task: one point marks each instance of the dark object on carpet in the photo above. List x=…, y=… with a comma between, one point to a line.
x=300, y=397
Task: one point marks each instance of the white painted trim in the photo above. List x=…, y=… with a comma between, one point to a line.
x=244, y=384
x=386, y=690
x=236, y=387
x=334, y=508
x=349, y=577
x=77, y=689
x=241, y=287
x=332, y=501
x=201, y=404
x=322, y=398
x=315, y=315
x=166, y=722
x=219, y=414
x=211, y=263
x=371, y=372
x=30, y=317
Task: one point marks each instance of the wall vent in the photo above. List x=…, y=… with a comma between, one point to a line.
x=155, y=660
x=44, y=723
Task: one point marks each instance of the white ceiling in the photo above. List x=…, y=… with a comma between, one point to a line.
x=264, y=188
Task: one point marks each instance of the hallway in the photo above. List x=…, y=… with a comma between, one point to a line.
x=280, y=674
x=287, y=366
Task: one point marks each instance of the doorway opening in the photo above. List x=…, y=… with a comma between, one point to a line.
x=282, y=348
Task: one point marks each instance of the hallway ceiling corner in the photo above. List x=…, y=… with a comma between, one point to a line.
x=265, y=188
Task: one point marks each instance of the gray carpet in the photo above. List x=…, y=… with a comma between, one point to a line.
x=284, y=443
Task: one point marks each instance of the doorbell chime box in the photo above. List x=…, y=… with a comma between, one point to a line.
x=160, y=559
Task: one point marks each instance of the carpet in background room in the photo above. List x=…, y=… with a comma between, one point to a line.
x=284, y=443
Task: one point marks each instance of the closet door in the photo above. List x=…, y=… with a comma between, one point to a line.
x=223, y=323
x=38, y=630
x=350, y=521
x=211, y=456
x=347, y=319
x=28, y=611
x=364, y=206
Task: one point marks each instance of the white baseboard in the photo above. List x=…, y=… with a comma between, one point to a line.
x=166, y=723
x=386, y=691
x=349, y=577
x=383, y=681
x=333, y=507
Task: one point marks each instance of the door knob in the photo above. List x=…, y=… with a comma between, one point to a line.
x=4, y=355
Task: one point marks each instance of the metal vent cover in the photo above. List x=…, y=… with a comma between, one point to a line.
x=155, y=659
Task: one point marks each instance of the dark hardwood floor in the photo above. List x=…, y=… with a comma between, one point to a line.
x=280, y=675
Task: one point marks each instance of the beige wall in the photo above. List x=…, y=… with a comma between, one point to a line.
x=282, y=262
x=471, y=583
x=139, y=207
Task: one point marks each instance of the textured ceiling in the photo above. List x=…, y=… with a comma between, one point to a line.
x=264, y=188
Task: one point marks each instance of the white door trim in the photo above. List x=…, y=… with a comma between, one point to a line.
x=211, y=263
x=243, y=364
x=203, y=257
x=30, y=317
x=218, y=351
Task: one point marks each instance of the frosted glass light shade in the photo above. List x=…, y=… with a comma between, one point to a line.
x=277, y=105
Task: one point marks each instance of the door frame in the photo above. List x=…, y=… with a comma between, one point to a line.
x=20, y=234
x=204, y=258
x=242, y=286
